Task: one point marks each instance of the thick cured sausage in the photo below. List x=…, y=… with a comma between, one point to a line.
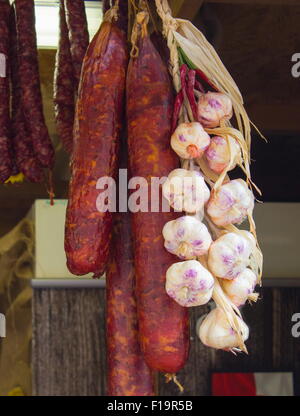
x=5, y=151
x=64, y=85
x=78, y=34
x=96, y=138
x=30, y=83
x=25, y=159
x=128, y=374
x=163, y=323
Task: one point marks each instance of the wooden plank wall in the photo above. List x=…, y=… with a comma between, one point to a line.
x=68, y=351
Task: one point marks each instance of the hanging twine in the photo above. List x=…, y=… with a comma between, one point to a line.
x=172, y=377
x=112, y=13
x=139, y=30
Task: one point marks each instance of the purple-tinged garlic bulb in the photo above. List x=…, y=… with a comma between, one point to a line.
x=216, y=332
x=229, y=255
x=241, y=289
x=190, y=140
x=220, y=152
x=189, y=283
x=214, y=107
x=186, y=191
x=186, y=237
x=231, y=203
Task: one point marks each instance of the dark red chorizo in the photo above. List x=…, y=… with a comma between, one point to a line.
x=78, y=34
x=127, y=372
x=5, y=153
x=96, y=137
x=163, y=323
x=64, y=85
x=30, y=83
x=25, y=159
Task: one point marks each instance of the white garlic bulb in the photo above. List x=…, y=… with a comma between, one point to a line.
x=240, y=289
x=186, y=237
x=190, y=140
x=229, y=255
x=231, y=203
x=216, y=332
x=214, y=107
x=186, y=191
x=249, y=237
x=219, y=153
x=189, y=283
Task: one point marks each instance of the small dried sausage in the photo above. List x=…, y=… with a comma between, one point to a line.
x=30, y=83
x=64, y=85
x=5, y=151
x=78, y=34
x=24, y=157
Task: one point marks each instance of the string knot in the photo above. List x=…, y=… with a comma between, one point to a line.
x=112, y=13
x=139, y=28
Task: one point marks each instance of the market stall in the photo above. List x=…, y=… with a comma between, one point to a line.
x=133, y=151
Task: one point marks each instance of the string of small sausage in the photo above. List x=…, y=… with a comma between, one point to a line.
x=27, y=151
x=73, y=43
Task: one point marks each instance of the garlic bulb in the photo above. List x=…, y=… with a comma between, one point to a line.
x=186, y=237
x=186, y=191
x=214, y=107
x=189, y=283
x=190, y=140
x=216, y=332
x=231, y=203
x=229, y=255
x=241, y=288
x=220, y=151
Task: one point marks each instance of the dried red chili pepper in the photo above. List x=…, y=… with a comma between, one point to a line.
x=177, y=107
x=190, y=93
x=199, y=86
x=204, y=78
x=183, y=73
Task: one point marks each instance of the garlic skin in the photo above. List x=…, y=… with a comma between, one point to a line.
x=215, y=331
x=214, y=107
x=249, y=237
x=229, y=255
x=186, y=237
x=231, y=203
x=190, y=140
x=219, y=152
x=186, y=191
x=189, y=283
x=240, y=289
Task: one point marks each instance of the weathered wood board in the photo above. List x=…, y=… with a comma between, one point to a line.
x=68, y=352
